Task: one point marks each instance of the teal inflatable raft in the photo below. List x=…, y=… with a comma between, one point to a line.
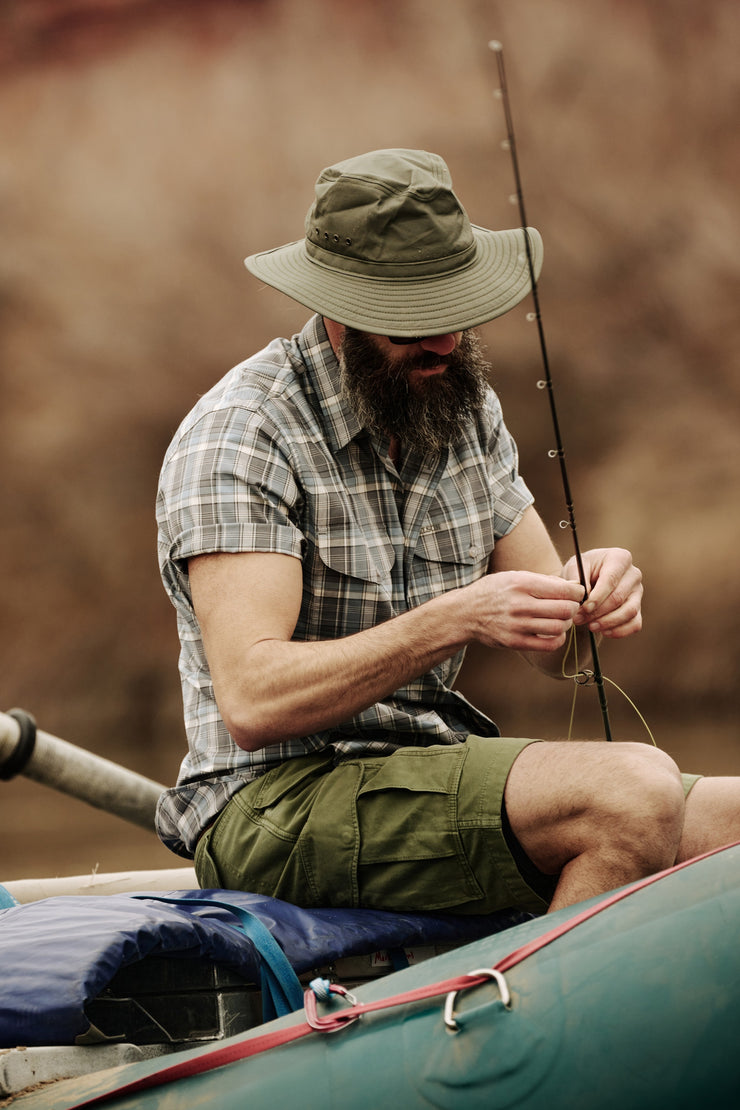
x=628, y=1001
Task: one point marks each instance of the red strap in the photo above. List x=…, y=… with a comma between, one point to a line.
x=241, y=1050
x=535, y=945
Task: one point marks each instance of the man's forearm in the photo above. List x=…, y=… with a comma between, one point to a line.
x=270, y=687
x=276, y=688
x=288, y=689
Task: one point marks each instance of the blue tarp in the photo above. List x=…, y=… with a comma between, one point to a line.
x=59, y=953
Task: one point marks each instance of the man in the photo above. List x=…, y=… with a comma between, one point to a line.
x=338, y=518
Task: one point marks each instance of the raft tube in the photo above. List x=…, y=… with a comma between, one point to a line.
x=631, y=1000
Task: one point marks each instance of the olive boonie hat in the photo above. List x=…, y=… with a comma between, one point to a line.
x=389, y=249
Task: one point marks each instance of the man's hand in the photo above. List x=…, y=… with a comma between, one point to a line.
x=614, y=595
x=524, y=610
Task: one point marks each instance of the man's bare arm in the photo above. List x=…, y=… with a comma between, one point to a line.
x=270, y=688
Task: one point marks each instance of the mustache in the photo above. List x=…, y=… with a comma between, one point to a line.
x=427, y=360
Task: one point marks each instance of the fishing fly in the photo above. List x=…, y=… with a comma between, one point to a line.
x=546, y=383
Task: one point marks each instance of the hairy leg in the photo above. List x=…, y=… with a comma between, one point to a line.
x=712, y=816
x=598, y=815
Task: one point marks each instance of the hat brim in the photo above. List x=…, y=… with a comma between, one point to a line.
x=495, y=281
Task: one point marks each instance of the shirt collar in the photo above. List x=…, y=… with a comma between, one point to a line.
x=322, y=366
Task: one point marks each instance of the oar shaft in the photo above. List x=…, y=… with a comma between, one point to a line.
x=81, y=774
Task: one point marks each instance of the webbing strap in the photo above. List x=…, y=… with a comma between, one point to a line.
x=282, y=992
x=211, y=1059
x=7, y=901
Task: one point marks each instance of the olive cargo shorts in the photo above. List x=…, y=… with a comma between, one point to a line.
x=423, y=829
x=418, y=830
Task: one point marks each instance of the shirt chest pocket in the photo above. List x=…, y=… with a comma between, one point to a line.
x=346, y=539
x=453, y=553
x=347, y=569
x=355, y=553
x=347, y=584
x=345, y=536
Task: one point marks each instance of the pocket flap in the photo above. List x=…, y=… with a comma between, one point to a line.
x=275, y=784
x=357, y=555
x=423, y=770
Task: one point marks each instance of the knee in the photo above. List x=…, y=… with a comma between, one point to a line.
x=650, y=774
x=645, y=805
x=621, y=802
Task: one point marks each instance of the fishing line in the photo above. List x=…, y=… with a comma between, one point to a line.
x=547, y=384
x=582, y=677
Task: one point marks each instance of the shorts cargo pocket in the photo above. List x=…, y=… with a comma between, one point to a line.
x=411, y=853
x=206, y=870
x=254, y=844
x=330, y=839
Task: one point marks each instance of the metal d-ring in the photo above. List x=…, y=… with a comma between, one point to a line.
x=490, y=973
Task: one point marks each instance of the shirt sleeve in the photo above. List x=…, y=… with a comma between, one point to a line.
x=227, y=485
x=511, y=495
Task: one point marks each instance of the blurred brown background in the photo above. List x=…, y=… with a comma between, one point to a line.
x=146, y=147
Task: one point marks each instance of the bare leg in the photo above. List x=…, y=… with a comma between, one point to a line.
x=712, y=816
x=598, y=815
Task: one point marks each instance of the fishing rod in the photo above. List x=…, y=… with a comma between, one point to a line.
x=547, y=383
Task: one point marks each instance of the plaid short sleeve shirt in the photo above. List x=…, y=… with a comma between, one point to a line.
x=273, y=460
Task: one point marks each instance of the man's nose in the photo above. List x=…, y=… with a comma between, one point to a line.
x=441, y=344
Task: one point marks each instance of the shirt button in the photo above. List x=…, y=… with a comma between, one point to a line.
x=473, y=552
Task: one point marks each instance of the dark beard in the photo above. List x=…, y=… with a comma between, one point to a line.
x=427, y=416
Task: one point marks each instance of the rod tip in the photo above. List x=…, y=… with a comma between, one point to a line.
x=494, y=44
